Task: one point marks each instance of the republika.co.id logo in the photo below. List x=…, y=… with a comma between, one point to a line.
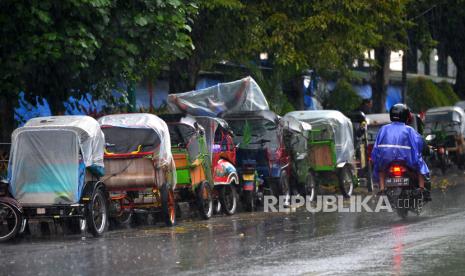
x=328, y=204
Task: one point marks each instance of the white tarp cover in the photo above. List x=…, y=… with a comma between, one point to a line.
x=293, y=124
x=210, y=125
x=340, y=125
x=447, y=118
x=92, y=140
x=48, y=158
x=240, y=95
x=145, y=120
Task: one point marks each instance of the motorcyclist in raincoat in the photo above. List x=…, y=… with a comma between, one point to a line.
x=399, y=142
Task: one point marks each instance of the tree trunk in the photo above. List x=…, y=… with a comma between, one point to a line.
x=7, y=123
x=459, y=86
x=380, y=79
x=297, y=93
x=56, y=104
x=458, y=57
x=183, y=75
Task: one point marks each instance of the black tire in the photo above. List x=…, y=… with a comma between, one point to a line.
x=346, y=181
x=217, y=207
x=310, y=187
x=125, y=218
x=283, y=186
x=370, y=183
x=205, y=200
x=249, y=200
x=443, y=163
x=402, y=212
x=75, y=225
x=228, y=199
x=168, y=205
x=97, y=213
x=10, y=221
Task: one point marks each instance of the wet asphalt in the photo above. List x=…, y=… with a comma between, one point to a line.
x=298, y=243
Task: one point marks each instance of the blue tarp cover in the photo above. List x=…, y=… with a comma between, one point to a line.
x=398, y=142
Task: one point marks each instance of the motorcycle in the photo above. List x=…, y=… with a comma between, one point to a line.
x=439, y=155
x=401, y=186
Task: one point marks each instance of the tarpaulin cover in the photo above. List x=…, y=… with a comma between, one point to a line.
x=185, y=132
x=161, y=138
x=49, y=154
x=145, y=121
x=123, y=140
x=447, y=118
x=340, y=125
x=296, y=135
x=398, y=142
x=292, y=124
x=210, y=126
x=240, y=95
x=91, y=138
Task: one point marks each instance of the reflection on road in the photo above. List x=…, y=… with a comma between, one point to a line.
x=262, y=243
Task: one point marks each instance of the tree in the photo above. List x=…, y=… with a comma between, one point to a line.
x=219, y=32
x=447, y=25
x=390, y=19
x=55, y=49
x=424, y=94
x=297, y=35
x=343, y=98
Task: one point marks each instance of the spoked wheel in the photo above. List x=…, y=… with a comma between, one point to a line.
x=228, y=199
x=217, y=207
x=284, y=187
x=310, y=188
x=346, y=182
x=124, y=217
x=97, y=213
x=168, y=205
x=204, y=200
x=10, y=221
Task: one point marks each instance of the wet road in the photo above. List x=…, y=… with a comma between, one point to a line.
x=264, y=243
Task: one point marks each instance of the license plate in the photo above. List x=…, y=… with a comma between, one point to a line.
x=41, y=211
x=248, y=186
x=397, y=181
x=248, y=177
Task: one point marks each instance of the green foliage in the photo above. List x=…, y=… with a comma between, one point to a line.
x=448, y=92
x=317, y=34
x=447, y=26
x=271, y=85
x=56, y=48
x=343, y=98
x=423, y=94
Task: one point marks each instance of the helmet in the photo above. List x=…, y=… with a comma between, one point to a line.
x=399, y=113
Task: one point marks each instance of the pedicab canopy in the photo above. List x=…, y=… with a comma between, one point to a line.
x=448, y=118
x=185, y=132
x=337, y=123
x=251, y=127
x=298, y=134
x=211, y=125
x=49, y=156
x=138, y=133
x=231, y=97
x=292, y=124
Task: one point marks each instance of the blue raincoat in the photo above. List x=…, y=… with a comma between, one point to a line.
x=398, y=142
